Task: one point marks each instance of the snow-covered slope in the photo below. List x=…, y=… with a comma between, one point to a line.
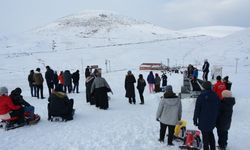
x=215, y=31
x=125, y=43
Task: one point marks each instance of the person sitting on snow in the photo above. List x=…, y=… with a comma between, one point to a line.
x=18, y=100
x=60, y=105
x=8, y=110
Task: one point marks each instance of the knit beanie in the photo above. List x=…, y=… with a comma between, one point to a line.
x=3, y=91
x=226, y=93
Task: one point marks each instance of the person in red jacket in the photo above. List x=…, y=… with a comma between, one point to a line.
x=7, y=109
x=219, y=87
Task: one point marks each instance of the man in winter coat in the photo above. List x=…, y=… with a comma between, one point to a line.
x=157, y=83
x=224, y=119
x=205, y=114
x=205, y=69
x=87, y=71
x=8, y=110
x=88, y=83
x=60, y=105
x=164, y=80
x=67, y=81
x=31, y=83
x=169, y=113
x=141, y=83
x=151, y=81
x=38, y=78
x=130, y=88
x=76, y=77
x=49, y=76
x=99, y=90
x=219, y=87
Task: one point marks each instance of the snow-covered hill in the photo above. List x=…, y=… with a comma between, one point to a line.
x=91, y=38
x=215, y=31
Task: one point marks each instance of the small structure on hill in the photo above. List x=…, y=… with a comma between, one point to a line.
x=153, y=66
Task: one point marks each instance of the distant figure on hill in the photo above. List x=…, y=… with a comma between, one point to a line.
x=205, y=69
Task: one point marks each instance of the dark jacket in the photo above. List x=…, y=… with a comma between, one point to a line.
x=205, y=67
x=164, y=80
x=225, y=113
x=206, y=110
x=67, y=78
x=17, y=98
x=129, y=86
x=49, y=76
x=31, y=79
x=141, y=83
x=76, y=77
x=151, y=78
x=59, y=104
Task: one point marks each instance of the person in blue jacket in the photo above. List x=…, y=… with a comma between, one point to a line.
x=206, y=113
x=151, y=81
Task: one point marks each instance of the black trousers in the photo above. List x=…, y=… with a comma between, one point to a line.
x=39, y=88
x=131, y=99
x=163, y=128
x=208, y=140
x=141, y=96
x=76, y=87
x=204, y=76
x=222, y=138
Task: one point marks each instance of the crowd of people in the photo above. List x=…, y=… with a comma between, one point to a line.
x=213, y=108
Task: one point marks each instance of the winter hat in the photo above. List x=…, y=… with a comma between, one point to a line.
x=129, y=72
x=207, y=85
x=226, y=93
x=3, y=91
x=218, y=78
x=140, y=76
x=225, y=78
x=38, y=69
x=169, y=88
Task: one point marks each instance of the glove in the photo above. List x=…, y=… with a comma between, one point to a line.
x=157, y=119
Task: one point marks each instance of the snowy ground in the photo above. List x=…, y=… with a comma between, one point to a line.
x=123, y=126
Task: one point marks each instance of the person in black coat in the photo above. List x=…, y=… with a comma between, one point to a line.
x=141, y=83
x=205, y=69
x=87, y=71
x=164, y=80
x=227, y=83
x=100, y=89
x=17, y=99
x=67, y=81
x=88, y=83
x=31, y=83
x=206, y=113
x=225, y=117
x=130, y=88
x=55, y=79
x=49, y=77
x=60, y=105
x=76, y=77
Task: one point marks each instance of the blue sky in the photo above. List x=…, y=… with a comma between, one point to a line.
x=22, y=15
